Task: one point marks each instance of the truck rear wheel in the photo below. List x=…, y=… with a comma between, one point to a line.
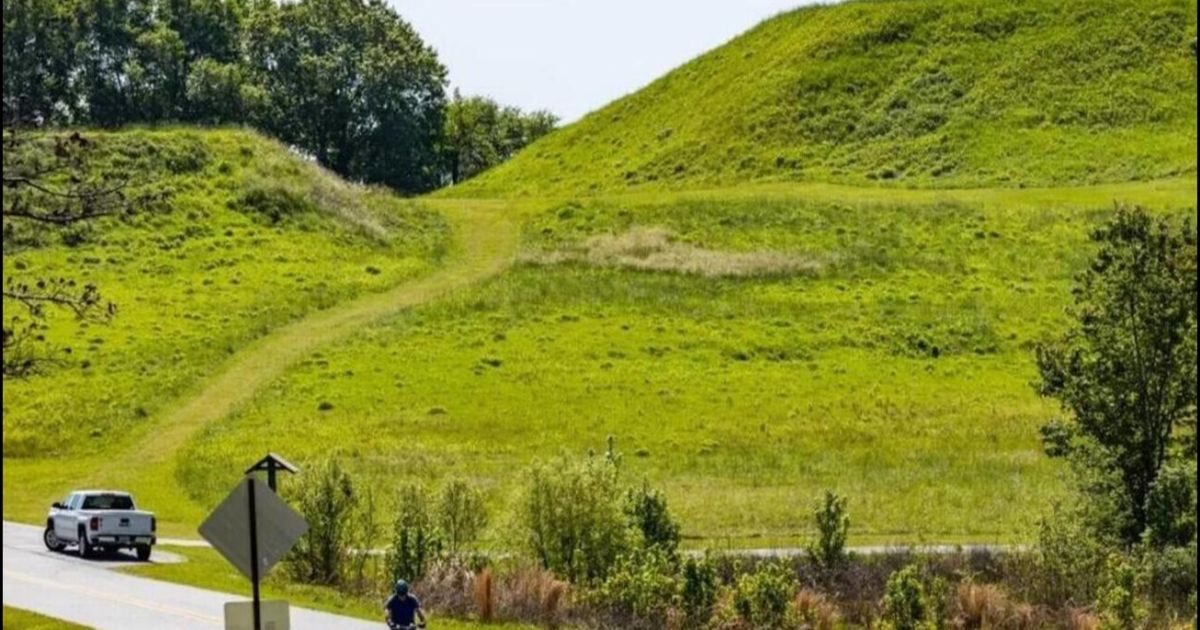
x=143, y=553
x=85, y=548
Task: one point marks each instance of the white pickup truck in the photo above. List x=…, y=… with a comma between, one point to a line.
x=97, y=521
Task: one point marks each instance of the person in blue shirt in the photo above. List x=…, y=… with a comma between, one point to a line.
x=403, y=610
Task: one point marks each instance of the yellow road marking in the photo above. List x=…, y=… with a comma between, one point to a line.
x=132, y=601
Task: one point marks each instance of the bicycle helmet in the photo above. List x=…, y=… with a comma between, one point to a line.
x=401, y=587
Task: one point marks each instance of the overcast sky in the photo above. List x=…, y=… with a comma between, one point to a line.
x=574, y=56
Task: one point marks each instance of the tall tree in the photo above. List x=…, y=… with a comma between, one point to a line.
x=1126, y=369
x=352, y=83
x=39, y=58
x=481, y=134
x=471, y=128
x=221, y=93
x=157, y=74
x=108, y=64
x=209, y=29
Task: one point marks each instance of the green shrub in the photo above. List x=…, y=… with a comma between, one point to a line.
x=1171, y=506
x=1171, y=582
x=698, y=591
x=1069, y=560
x=762, y=598
x=1118, y=603
x=940, y=597
x=416, y=542
x=461, y=516
x=327, y=499
x=828, y=551
x=641, y=589
x=574, y=519
x=647, y=509
x=905, y=606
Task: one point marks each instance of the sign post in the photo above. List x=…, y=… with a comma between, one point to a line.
x=272, y=464
x=253, y=529
x=239, y=616
x=254, y=554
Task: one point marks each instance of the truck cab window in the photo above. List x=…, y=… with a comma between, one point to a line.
x=108, y=502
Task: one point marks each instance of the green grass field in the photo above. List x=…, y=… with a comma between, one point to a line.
x=936, y=93
x=17, y=619
x=893, y=364
x=748, y=347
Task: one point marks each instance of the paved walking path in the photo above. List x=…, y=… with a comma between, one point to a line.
x=91, y=593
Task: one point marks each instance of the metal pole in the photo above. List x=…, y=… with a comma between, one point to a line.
x=271, y=477
x=254, y=553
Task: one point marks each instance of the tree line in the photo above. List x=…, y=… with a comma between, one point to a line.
x=346, y=81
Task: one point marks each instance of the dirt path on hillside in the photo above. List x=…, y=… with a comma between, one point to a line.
x=486, y=242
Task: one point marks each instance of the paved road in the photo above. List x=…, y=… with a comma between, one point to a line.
x=90, y=592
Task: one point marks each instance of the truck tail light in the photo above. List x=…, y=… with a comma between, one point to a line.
x=153, y=523
x=95, y=523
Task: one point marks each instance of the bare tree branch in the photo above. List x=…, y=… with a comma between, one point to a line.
x=50, y=181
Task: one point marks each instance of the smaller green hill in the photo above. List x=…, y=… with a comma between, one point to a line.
x=937, y=93
x=250, y=237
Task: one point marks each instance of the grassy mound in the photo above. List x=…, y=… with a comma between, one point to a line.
x=937, y=93
x=747, y=348
x=251, y=236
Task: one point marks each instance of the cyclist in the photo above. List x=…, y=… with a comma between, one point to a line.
x=403, y=609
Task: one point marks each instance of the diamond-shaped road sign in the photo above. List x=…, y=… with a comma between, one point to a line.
x=228, y=528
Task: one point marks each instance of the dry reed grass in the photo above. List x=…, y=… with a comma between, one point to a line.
x=1083, y=620
x=448, y=589
x=815, y=611
x=528, y=592
x=523, y=593
x=981, y=606
x=485, y=596
x=989, y=607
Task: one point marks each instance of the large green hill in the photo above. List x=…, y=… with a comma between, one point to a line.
x=249, y=238
x=935, y=93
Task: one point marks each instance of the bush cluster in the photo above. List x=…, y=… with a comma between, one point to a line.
x=605, y=554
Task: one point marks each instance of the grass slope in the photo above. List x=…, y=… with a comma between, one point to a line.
x=895, y=368
x=252, y=238
x=17, y=619
x=936, y=93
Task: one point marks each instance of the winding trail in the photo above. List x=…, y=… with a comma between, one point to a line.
x=486, y=240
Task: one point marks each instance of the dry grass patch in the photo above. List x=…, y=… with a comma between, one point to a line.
x=1083, y=620
x=659, y=249
x=815, y=611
